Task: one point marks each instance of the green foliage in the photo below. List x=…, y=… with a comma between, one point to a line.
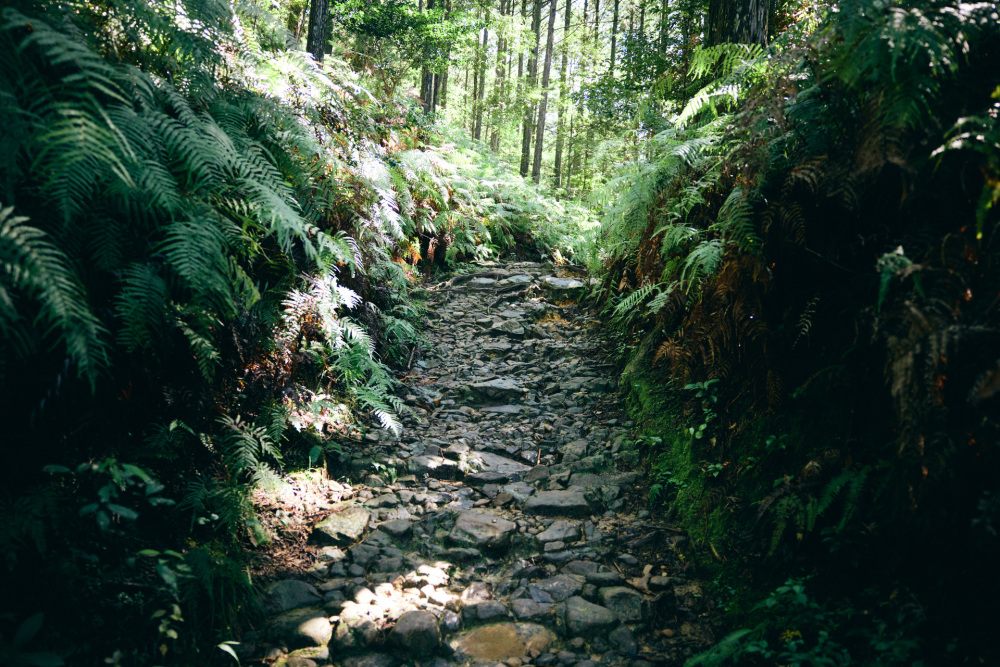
x=848, y=428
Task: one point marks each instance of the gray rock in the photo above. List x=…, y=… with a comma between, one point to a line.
x=536, y=474
x=482, y=531
x=497, y=389
x=605, y=578
x=558, y=503
x=574, y=451
x=623, y=642
x=497, y=468
x=398, y=528
x=515, y=280
x=417, y=632
x=362, y=554
x=556, y=589
x=342, y=528
x=560, y=531
x=519, y=490
x=526, y=609
x=502, y=409
x=290, y=594
x=484, y=612
x=585, y=619
x=302, y=628
x=566, y=288
x=627, y=604
x=435, y=466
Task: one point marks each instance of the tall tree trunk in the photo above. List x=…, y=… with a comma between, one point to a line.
x=664, y=27
x=536, y=167
x=571, y=158
x=319, y=14
x=500, y=84
x=563, y=93
x=737, y=21
x=614, y=41
x=529, y=108
x=597, y=19
x=427, y=84
x=482, y=86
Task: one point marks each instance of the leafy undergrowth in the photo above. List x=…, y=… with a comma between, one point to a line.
x=206, y=244
x=802, y=277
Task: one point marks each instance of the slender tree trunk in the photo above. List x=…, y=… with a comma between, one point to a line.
x=536, y=167
x=482, y=86
x=737, y=21
x=664, y=27
x=529, y=110
x=570, y=160
x=642, y=25
x=563, y=94
x=597, y=19
x=614, y=40
x=319, y=14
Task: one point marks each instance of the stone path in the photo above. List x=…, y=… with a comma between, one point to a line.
x=503, y=527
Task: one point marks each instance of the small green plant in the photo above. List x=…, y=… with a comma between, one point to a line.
x=776, y=443
x=707, y=395
x=387, y=473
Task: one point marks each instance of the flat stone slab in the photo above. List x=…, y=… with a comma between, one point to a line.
x=558, y=503
x=560, y=531
x=515, y=280
x=502, y=409
x=567, y=287
x=342, y=528
x=501, y=388
x=502, y=642
x=482, y=531
x=508, y=328
x=491, y=468
x=482, y=282
x=594, y=480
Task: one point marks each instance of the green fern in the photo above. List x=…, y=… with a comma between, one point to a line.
x=32, y=267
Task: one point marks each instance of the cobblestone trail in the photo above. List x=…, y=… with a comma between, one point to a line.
x=507, y=524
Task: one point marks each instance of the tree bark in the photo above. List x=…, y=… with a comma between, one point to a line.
x=529, y=108
x=563, y=94
x=614, y=40
x=664, y=27
x=737, y=21
x=536, y=168
x=319, y=14
x=482, y=85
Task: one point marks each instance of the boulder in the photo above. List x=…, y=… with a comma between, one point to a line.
x=482, y=531
x=290, y=594
x=417, y=632
x=586, y=619
x=302, y=628
x=342, y=528
x=558, y=503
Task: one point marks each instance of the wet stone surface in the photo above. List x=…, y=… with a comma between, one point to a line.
x=497, y=529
